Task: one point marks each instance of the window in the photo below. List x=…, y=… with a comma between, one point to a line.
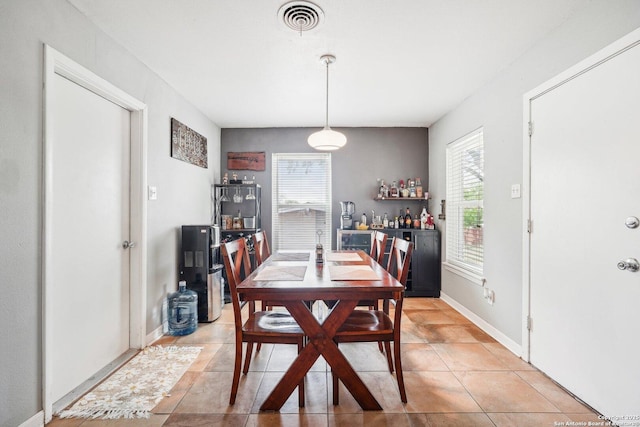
x=301, y=200
x=465, y=193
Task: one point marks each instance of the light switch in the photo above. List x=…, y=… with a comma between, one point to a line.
x=153, y=193
x=515, y=191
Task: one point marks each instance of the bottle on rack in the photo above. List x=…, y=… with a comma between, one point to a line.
x=381, y=189
x=401, y=219
x=183, y=310
x=385, y=221
x=396, y=224
x=407, y=219
x=423, y=218
x=412, y=187
x=419, y=192
x=430, y=224
x=394, y=190
x=416, y=222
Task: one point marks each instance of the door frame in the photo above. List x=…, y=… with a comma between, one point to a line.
x=57, y=63
x=614, y=49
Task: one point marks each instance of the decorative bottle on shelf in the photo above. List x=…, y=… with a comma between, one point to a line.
x=407, y=219
x=394, y=190
x=423, y=218
x=419, y=192
x=401, y=219
x=412, y=187
x=183, y=310
x=416, y=222
x=363, y=219
x=396, y=224
x=385, y=221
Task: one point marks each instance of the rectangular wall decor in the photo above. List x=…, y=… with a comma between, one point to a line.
x=188, y=145
x=253, y=161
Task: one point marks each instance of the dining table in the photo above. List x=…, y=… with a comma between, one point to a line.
x=294, y=279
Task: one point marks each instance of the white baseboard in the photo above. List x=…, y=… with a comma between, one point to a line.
x=155, y=334
x=513, y=346
x=36, y=421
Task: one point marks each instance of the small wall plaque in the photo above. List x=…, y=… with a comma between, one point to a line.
x=252, y=161
x=188, y=145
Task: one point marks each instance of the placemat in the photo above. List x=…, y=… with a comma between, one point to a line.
x=278, y=272
x=343, y=256
x=291, y=256
x=352, y=272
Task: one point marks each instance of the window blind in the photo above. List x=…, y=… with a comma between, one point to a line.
x=301, y=200
x=464, y=208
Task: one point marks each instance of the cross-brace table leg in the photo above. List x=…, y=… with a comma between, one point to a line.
x=320, y=343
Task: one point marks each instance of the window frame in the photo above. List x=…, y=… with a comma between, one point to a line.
x=321, y=205
x=455, y=195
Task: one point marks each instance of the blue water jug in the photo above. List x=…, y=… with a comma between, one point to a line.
x=183, y=310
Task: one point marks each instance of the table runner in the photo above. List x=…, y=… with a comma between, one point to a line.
x=352, y=272
x=277, y=272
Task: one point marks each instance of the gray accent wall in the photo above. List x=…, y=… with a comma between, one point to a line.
x=498, y=106
x=183, y=189
x=370, y=153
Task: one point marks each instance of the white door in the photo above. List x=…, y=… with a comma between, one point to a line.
x=585, y=182
x=90, y=219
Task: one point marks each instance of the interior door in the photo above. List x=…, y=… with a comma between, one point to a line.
x=90, y=220
x=585, y=183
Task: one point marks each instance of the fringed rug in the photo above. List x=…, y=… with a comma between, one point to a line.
x=134, y=389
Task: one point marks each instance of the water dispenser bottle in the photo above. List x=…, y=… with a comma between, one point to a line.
x=183, y=310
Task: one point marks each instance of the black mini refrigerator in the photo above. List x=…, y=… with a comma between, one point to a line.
x=200, y=267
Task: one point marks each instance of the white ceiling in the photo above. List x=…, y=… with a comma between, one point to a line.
x=399, y=63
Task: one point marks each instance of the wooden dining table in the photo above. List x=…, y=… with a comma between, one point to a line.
x=344, y=278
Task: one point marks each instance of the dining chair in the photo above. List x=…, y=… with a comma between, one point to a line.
x=261, y=253
x=377, y=325
x=261, y=247
x=260, y=326
x=378, y=246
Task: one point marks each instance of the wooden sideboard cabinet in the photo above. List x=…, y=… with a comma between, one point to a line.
x=424, y=271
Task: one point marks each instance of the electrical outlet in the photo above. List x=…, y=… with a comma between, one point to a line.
x=488, y=295
x=515, y=191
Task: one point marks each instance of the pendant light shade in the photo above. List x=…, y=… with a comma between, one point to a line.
x=327, y=139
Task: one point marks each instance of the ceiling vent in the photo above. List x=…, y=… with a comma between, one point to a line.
x=301, y=16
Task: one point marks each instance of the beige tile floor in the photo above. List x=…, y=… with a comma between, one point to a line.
x=455, y=375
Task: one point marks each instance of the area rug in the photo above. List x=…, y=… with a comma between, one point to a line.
x=134, y=389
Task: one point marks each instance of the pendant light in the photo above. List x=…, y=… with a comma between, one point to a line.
x=327, y=139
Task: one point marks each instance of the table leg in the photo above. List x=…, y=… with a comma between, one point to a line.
x=320, y=343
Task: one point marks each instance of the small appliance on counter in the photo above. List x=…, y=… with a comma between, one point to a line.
x=346, y=216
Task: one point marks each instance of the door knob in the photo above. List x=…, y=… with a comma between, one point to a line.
x=632, y=222
x=128, y=245
x=630, y=264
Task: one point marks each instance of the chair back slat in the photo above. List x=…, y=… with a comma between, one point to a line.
x=261, y=247
x=378, y=245
x=237, y=266
x=399, y=259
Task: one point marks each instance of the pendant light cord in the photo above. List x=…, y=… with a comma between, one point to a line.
x=326, y=122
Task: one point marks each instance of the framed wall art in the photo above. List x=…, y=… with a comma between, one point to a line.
x=188, y=145
x=250, y=160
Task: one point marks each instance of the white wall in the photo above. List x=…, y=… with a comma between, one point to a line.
x=498, y=107
x=183, y=189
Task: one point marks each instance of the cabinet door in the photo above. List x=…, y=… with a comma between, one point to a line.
x=355, y=241
x=426, y=264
